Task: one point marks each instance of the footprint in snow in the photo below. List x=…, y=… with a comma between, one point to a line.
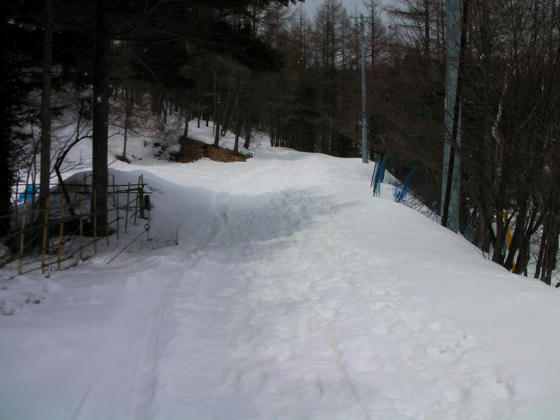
x=415, y=358
x=414, y=321
x=408, y=409
x=385, y=292
x=326, y=312
x=443, y=352
x=383, y=327
x=498, y=386
x=454, y=394
x=252, y=380
x=382, y=306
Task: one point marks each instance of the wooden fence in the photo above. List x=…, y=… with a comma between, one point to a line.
x=68, y=228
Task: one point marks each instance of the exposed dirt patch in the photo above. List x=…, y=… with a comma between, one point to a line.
x=192, y=150
x=122, y=158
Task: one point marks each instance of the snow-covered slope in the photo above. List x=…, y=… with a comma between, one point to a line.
x=292, y=294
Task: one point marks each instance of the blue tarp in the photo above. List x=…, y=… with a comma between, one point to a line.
x=28, y=194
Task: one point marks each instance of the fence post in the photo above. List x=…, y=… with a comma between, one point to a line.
x=107, y=224
x=95, y=222
x=141, y=192
x=126, y=208
x=61, y=234
x=81, y=228
x=116, y=203
x=45, y=236
x=136, y=202
x=15, y=202
x=22, y=241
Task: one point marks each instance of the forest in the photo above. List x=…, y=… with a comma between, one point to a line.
x=262, y=65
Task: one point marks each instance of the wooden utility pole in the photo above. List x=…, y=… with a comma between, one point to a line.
x=45, y=173
x=100, y=115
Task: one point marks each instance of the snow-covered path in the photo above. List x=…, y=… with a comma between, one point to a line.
x=292, y=294
x=290, y=316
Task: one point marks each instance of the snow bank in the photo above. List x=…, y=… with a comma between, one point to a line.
x=292, y=294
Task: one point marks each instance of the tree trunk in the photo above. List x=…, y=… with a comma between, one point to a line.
x=225, y=115
x=551, y=230
x=540, y=258
x=427, y=28
x=45, y=176
x=373, y=34
x=100, y=117
x=186, y=130
x=237, y=134
x=249, y=123
x=216, y=134
x=6, y=175
x=249, y=120
x=127, y=112
x=216, y=99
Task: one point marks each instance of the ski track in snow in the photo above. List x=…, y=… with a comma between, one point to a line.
x=269, y=309
x=350, y=331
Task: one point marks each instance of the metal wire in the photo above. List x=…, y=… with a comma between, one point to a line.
x=146, y=230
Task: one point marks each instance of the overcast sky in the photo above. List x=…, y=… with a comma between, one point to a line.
x=311, y=6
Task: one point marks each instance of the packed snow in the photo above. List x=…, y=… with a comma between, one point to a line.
x=292, y=293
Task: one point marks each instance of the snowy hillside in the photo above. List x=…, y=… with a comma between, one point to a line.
x=291, y=294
